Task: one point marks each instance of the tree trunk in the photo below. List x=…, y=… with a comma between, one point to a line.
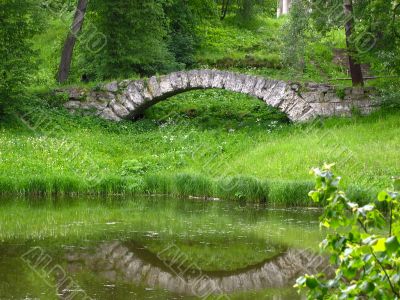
x=224, y=9
x=355, y=68
x=66, y=56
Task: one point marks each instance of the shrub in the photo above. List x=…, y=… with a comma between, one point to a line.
x=365, y=255
x=133, y=167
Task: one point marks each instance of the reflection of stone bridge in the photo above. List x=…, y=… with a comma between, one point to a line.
x=129, y=98
x=129, y=263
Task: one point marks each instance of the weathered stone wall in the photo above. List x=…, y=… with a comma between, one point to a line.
x=328, y=101
x=128, y=99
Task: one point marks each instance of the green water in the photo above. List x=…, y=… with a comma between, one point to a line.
x=153, y=248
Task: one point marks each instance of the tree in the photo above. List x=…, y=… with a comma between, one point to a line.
x=224, y=8
x=354, y=66
x=367, y=27
x=68, y=49
x=182, y=33
x=137, y=34
x=20, y=20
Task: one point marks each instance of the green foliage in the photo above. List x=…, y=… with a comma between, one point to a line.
x=374, y=38
x=142, y=166
x=390, y=95
x=142, y=37
x=20, y=20
x=376, y=35
x=183, y=40
x=340, y=92
x=295, y=35
x=133, y=167
x=307, y=50
x=366, y=258
x=229, y=44
x=212, y=109
x=135, y=34
x=244, y=11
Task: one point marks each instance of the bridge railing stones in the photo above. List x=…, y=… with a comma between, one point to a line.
x=128, y=99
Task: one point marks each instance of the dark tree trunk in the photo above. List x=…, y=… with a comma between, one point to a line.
x=66, y=56
x=355, y=68
x=224, y=9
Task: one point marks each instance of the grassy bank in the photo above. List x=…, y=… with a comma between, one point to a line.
x=204, y=143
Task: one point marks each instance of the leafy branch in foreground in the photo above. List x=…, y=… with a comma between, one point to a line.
x=363, y=244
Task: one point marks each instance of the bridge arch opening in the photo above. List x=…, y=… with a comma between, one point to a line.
x=211, y=108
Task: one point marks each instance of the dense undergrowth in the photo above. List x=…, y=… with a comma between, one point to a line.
x=203, y=143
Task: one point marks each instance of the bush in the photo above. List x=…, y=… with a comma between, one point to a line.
x=364, y=248
x=20, y=21
x=391, y=96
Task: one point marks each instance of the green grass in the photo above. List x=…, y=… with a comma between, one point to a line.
x=203, y=143
x=259, y=49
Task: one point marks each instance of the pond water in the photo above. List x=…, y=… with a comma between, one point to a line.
x=154, y=248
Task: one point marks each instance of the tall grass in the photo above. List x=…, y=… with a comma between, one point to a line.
x=291, y=193
x=243, y=188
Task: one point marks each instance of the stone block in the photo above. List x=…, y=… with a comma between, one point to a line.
x=111, y=87
x=218, y=80
x=258, y=87
x=165, y=85
x=206, y=78
x=119, y=109
x=72, y=104
x=109, y=114
x=249, y=84
x=194, y=79
x=179, y=81
x=154, y=87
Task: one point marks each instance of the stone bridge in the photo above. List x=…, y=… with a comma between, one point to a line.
x=128, y=99
x=133, y=264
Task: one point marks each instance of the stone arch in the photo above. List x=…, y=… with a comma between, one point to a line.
x=131, y=263
x=136, y=96
x=128, y=99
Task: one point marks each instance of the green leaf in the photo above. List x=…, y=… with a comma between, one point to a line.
x=326, y=224
x=379, y=246
x=392, y=244
x=384, y=196
x=350, y=273
x=311, y=282
x=367, y=287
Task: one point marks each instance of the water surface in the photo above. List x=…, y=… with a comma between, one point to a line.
x=153, y=248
